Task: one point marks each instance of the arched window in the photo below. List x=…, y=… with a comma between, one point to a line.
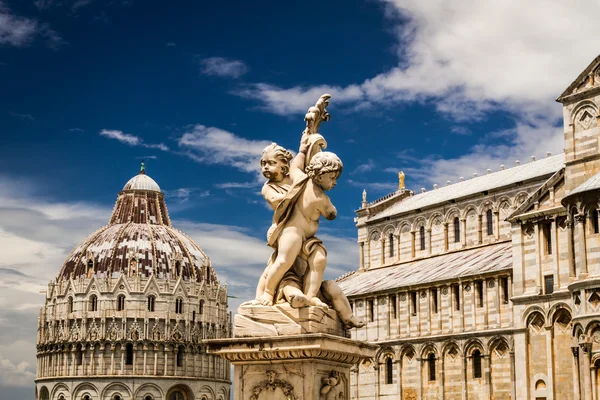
x=476, y=364
x=117, y=397
x=121, y=302
x=151, y=299
x=148, y=397
x=391, y=240
x=90, y=267
x=389, y=371
x=180, y=356
x=62, y=397
x=93, y=303
x=594, y=217
x=456, y=230
x=201, y=307
x=129, y=354
x=78, y=355
x=422, y=237
x=194, y=316
x=431, y=363
x=179, y=306
x=490, y=223
x=87, y=397
x=70, y=304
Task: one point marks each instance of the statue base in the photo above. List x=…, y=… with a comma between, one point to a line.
x=282, y=319
x=295, y=367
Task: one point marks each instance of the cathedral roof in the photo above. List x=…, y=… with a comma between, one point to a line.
x=140, y=240
x=469, y=187
x=446, y=267
x=590, y=185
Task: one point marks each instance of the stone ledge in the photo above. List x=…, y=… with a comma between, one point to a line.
x=282, y=319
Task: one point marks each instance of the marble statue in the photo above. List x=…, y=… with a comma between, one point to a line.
x=296, y=191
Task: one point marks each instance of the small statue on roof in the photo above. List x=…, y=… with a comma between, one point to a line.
x=401, y=180
x=364, y=198
x=143, y=168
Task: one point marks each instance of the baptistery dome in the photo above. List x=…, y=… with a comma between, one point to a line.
x=129, y=310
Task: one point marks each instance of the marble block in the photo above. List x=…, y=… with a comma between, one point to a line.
x=282, y=319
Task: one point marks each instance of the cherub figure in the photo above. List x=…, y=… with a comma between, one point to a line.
x=296, y=221
x=275, y=163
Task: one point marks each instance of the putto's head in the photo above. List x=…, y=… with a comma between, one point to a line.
x=324, y=169
x=275, y=162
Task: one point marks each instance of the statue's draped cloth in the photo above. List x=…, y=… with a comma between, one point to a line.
x=295, y=275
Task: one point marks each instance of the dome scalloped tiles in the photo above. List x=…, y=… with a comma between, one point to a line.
x=142, y=182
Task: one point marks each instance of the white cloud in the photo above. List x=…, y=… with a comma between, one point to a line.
x=362, y=168
x=219, y=66
x=21, y=31
x=22, y=116
x=211, y=145
x=15, y=30
x=131, y=140
x=171, y=44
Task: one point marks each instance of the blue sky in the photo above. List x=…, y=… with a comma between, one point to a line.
x=438, y=89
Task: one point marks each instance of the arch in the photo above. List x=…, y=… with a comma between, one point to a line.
x=530, y=310
x=389, y=229
x=115, y=388
x=577, y=329
x=374, y=235
x=477, y=357
x=535, y=319
x=148, y=389
x=427, y=348
x=450, y=344
x=209, y=390
x=484, y=206
x=520, y=198
x=85, y=388
x=44, y=393
x=180, y=392
x=451, y=213
x=503, y=200
x=555, y=309
x=383, y=353
x=418, y=222
x=408, y=350
x=585, y=104
x=151, y=302
x=592, y=326
x=499, y=343
x=468, y=209
x=59, y=389
x=201, y=306
x=472, y=345
x=433, y=217
x=70, y=304
x=404, y=224
x=121, y=302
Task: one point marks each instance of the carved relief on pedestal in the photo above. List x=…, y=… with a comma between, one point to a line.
x=273, y=389
x=332, y=386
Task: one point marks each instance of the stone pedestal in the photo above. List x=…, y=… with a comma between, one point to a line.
x=292, y=367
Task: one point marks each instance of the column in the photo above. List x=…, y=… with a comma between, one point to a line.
x=594, y=393
x=463, y=236
x=538, y=259
x=428, y=243
x=398, y=246
x=587, y=384
x=555, y=253
x=83, y=349
x=412, y=243
x=484, y=287
x=355, y=369
x=580, y=218
x=377, y=369
x=166, y=361
x=399, y=384
x=570, y=250
x=497, y=224
x=487, y=376
x=367, y=260
x=420, y=362
x=361, y=249
x=513, y=392
x=383, y=249
x=445, y=236
x=549, y=361
x=441, y=376
x=102, y=359
x=155, y=360
x=145, y=350
x=134, y=357
x=112, y=359
x=479, y=229
x=576, y=380
x=464, y=377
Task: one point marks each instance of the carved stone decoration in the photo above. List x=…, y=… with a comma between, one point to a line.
x=444, y=290
x=156, y=333
x=274, y=388
x=403, y=297
x=382, y=301
x=332, y=387
x=93, y=332
x=177, y=335
x=114, y=332
x=134, y=331
x=75, y=332
x=423, y=294
x=467, y=288
x=596, y=337
x=491, y=284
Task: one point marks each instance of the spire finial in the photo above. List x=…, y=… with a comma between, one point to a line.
x=364, y=198
x=143, y=168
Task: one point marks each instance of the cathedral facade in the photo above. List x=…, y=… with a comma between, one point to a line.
x=127, y=315
x=488, y=288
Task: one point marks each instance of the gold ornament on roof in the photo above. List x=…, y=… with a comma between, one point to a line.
x=401, y=180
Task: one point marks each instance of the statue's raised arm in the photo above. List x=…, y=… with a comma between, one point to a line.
x=313, y=118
